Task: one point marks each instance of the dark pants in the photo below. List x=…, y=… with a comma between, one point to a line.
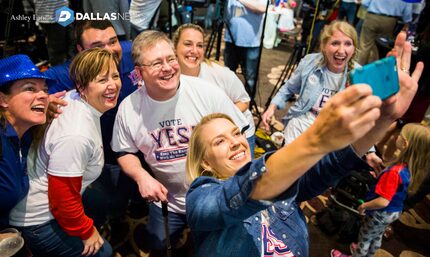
x=107, y=197
x=155, y=228
x=347, y=10
x=60, y=43
x=247, y=58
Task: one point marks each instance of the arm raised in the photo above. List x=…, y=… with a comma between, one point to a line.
x=345, y=118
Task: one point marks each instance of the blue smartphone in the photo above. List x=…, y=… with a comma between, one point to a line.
x=380, y=75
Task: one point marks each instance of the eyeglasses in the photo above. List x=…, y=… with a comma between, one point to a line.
x=157, y=65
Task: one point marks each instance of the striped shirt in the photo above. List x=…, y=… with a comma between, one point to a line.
x=45, y=10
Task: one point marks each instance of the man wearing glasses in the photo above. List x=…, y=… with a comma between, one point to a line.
x=157, y=120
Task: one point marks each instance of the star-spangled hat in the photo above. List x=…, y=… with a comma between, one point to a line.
x=18, y=67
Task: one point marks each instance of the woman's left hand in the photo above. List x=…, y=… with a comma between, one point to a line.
x=395, y=106
x=93, y=244
x=55, y=101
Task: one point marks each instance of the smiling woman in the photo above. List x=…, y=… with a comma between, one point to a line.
x=317, y=78
x=189, y=44
x=67, y=161
x=23, y=106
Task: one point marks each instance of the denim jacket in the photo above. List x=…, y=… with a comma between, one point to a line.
x=225, y=222
x=307, y=81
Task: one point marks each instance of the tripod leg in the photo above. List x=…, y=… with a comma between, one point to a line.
x=218, y=42
x=210, y=44
x=295, y=57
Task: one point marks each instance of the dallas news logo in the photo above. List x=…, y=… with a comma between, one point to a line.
x=64, y=16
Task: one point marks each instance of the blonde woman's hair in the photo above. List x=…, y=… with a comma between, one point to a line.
x=178, y=33
x=183, y=27
x=145, y=40
x=88, y=64
x=197, y=149
x=416, y=154
x=345, y=28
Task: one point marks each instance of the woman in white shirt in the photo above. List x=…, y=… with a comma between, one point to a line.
x=189, y=44
x=68, y=159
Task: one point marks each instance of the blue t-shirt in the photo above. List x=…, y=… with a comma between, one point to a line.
x=392, y=184
x=245, y=25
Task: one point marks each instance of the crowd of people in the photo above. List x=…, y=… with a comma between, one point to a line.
x=155, y=113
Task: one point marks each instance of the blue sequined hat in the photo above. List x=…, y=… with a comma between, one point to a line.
x=18, y=67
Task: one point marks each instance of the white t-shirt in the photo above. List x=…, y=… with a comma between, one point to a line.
x=296, y=126
x=72, y=147
x=225, y=79
x=161, y=130
x=142, y=11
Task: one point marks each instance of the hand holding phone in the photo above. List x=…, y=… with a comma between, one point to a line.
x=380, y=75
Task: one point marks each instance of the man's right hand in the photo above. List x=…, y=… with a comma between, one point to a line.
x=149, y=188
x=152, y=190
x=93, y=244
x=55, y=102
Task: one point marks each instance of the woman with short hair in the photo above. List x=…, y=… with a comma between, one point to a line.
x=68, y=160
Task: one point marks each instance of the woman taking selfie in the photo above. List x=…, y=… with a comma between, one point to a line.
x=239, y=207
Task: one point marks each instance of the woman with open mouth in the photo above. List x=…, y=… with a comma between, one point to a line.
x=23, y=108
x=316, y=79
x=68, y=159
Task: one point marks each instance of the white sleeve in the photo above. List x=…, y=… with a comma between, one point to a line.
x=234, y=87
x=122, y=139
x=226, y=80
x=70, y=156
x=224, y=105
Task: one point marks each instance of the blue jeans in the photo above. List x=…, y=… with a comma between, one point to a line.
x=347, y=10
x=358, y=26
x=155, y=227
x=49, y=239
x=247, y=57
